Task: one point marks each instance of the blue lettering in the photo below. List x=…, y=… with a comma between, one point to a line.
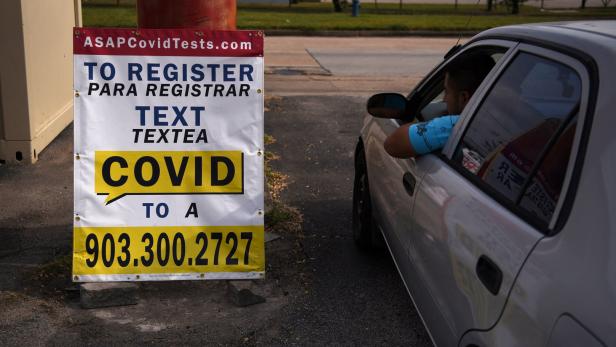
x=111, y=71
x=246, y=71
x=197, y=73
x=179, y=115
x=90, y=67
x=153, y=72
x=159, y=116
x=170, y=75
x=142, y=110
x=213, y=68
x=134, y=71
x=197, y=110
x=227, y=72
x=147, y=206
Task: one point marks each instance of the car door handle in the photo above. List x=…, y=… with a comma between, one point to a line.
x=409, y=182
x=489, y=274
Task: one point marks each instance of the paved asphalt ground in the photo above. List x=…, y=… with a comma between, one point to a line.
x=349, y=66
x=356, y=298
x=320, y=289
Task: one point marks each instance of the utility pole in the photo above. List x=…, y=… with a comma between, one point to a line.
x=202, y=14
x=355, y=8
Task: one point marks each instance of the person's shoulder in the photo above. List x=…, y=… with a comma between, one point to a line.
x=450, y=119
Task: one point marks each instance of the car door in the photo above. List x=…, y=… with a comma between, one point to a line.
x=473, y=226
x=391, y=202
x=393, y=180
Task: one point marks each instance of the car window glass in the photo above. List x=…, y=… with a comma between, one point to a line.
x=544, y=189
x=530, y=104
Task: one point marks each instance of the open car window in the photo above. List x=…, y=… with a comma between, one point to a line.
x=432, y=104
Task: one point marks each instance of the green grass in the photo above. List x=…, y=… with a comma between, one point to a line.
x=369, y=7
x=337, y=21
x=320, y=16
x=99, y=16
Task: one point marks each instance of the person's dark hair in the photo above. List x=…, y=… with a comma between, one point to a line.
x=468, y=71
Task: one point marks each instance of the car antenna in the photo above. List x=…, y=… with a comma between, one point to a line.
x=467, y=23
x=453, y=50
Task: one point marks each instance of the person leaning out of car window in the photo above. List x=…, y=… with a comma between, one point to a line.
x=462, y=77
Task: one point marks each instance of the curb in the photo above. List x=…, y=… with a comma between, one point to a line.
x=370, y=33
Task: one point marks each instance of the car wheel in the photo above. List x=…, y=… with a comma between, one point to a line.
x=364, y=229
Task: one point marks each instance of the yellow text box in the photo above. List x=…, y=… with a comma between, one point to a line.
x=118, y=173
x=167, y=250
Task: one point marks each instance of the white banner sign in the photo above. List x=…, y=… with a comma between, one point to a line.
x=168, y=155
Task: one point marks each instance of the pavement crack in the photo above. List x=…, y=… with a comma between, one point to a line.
x=317, y=61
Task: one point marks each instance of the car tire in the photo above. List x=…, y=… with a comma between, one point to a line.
x=365, y=234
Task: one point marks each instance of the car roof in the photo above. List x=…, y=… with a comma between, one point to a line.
x=605, y=27
x=595, y=41
x=600, y=32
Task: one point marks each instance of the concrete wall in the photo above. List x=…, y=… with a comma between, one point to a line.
x=36, y=74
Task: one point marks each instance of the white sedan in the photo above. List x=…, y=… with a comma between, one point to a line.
x=506, y=236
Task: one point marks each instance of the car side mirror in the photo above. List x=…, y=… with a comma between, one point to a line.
x=387, y=105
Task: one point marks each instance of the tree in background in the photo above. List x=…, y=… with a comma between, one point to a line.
x=515, y=6
x=337, y=5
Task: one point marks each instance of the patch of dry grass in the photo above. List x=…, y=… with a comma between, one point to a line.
x=279, y=217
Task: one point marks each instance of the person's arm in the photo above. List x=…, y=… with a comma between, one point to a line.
x=398, y=143
x=411, y=140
